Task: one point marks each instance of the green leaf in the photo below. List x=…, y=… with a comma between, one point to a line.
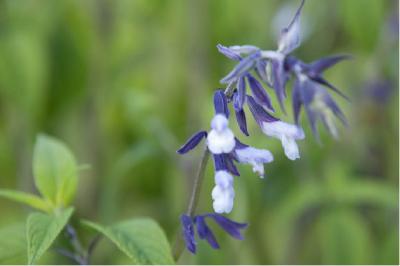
x=13, y=244
x=26, y=198
x=55, y=170
x=141, y=239
x=42, y=230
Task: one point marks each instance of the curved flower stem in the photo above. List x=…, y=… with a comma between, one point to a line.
x=194, y=199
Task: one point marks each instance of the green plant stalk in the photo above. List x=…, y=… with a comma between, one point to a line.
x=194, y=199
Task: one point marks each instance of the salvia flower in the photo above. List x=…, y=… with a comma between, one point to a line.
x=287, y=134
x=317, y=103
x=253, y=156
x=254, y=68
x=221, y=138
x=273, y=127
x=223, y=193
x=204, y=232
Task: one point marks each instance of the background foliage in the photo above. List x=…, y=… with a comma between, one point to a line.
x=123, y=83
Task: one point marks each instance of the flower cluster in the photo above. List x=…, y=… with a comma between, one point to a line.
x=274, y=69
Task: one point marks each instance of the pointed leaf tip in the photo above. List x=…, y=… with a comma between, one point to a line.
x=141, y=239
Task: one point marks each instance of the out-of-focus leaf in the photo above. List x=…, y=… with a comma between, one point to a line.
x=23, y=72
x=363, y=19
x=343, y=238
x=389, y=251
x=369, y=193
x=69, y=58
x=26, y=198
x=55, y=170
x=140, y=239
x=13, y=244
x=282, y=223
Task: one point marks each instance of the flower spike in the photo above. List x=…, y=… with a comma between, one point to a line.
x=257, y=68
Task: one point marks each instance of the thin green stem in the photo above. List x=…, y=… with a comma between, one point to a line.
x=194, y=199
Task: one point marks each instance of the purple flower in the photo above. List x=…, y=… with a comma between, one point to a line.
x=259, y=113
x=273, y=127
x=225, y=162
x=241, y=120
x=290, y=36
x=287, y=134
x=192, y=142
x=231, y=54
x=221, y=103
x=220, y=139
x=188, y=233
x=239, y=99
x=231, y=227
x=317, y=103
x=259, y=93
x=275, y=69
x=289, y=40
x=223, y=193
x=315, y=69
x=204, y=231
x=279, y=79
x=255, y=157
x=242, y=68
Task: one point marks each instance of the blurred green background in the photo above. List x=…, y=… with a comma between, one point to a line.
x=124, y=83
